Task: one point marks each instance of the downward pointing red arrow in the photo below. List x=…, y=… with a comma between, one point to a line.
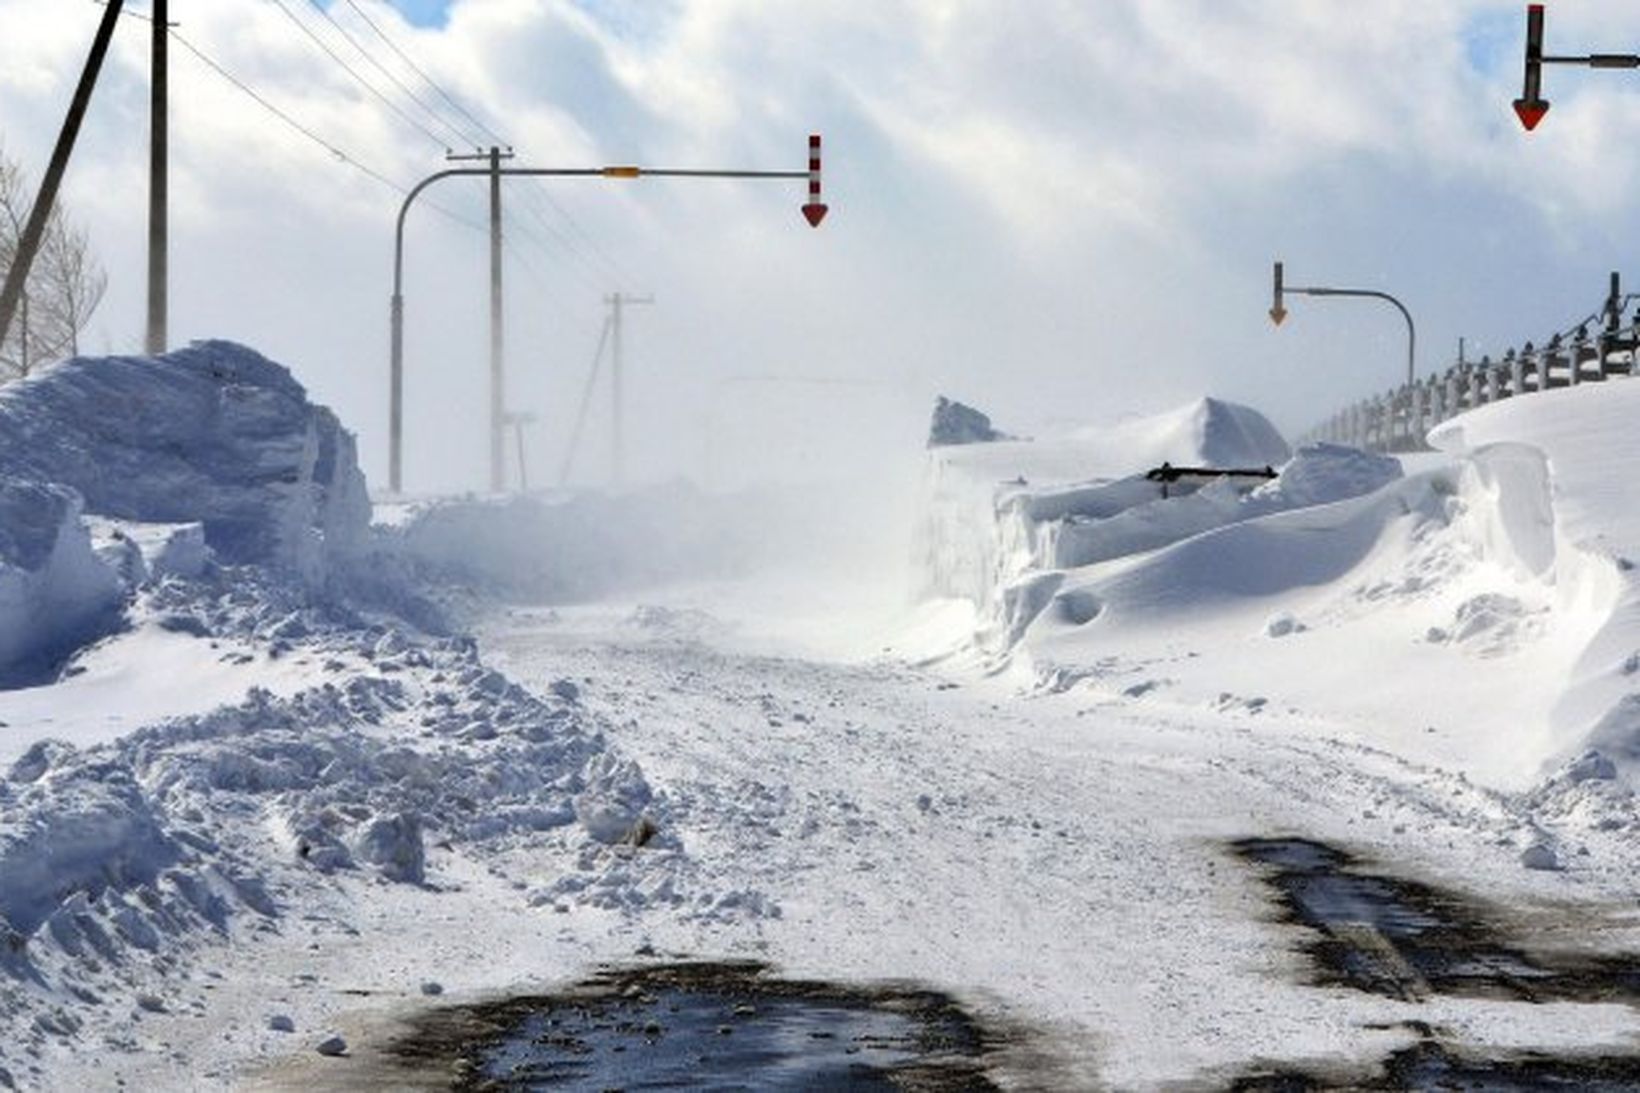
x=814, y=212
x=1530, y=113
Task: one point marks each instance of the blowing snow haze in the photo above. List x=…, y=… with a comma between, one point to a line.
x=957, y=643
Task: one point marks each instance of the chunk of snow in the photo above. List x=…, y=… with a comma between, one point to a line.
x=611, y=806
x=55, y=592
x=1540, y=856
x=956, y=423
x=393, y=844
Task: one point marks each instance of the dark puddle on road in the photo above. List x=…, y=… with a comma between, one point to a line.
x=1432, y=1065
x=709, y=1026
x=1406, y=940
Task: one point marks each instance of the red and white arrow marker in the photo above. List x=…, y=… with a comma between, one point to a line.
x=815, y=210
x=1531, y=106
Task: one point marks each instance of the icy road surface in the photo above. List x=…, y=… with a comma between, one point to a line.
x=1059, y=861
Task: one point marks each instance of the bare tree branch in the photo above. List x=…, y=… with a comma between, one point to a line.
x=64, y=287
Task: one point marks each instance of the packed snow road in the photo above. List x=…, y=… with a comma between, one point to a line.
x=1061, y=861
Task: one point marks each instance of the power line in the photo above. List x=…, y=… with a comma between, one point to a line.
x=298, y=127
x=591, y=245
x=366, y=84
x=284, y=117
x=489, y=133
x=593, y=280
x=587, y=243
x=552, y=300
x=394, y=80
x=354, y=162
x=586, y=249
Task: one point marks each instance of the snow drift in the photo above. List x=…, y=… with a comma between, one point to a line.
x=992, y=512
x=117, y=470
x=1494, y=586
x=214, y=433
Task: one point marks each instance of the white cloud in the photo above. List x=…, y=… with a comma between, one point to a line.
x=1026, y=195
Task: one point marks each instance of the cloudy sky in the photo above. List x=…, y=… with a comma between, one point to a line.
x=1060, y=211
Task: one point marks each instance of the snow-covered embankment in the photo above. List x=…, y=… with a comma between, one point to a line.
x=1478, y=612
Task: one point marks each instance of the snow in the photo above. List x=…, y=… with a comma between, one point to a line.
x=214, y=433
x=296, y=775
x=54, y=590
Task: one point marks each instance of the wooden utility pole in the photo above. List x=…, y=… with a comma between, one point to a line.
x=29, y=242
x=157, y=166
x=498, y=334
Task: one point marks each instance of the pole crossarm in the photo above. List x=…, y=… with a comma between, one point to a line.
x=813, y=212
x=1596, y=60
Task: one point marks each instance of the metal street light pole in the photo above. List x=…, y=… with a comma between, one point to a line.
x=814, y=211
x=1278, y=312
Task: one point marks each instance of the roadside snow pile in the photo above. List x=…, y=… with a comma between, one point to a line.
x=1584, y=439
x=214, y=433
x=995, y=512
x=215, y=444
x=1495, y=590
x=195, y=515
x=121, y=861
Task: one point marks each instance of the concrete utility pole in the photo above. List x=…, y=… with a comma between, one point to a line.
x=29, y=242
x=617, y=462
x=498, y=332
x=157, y=151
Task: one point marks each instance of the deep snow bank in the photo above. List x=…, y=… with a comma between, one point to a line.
x=1482, y=612
x=210, y=450
x=1585, y=440
x=992, y=512
x=214, y=433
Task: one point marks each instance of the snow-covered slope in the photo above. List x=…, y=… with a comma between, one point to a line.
x=209, y=451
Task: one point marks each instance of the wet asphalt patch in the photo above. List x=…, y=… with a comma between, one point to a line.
x=1407, y=940
x=1432, y=1065
x=706, y=1026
